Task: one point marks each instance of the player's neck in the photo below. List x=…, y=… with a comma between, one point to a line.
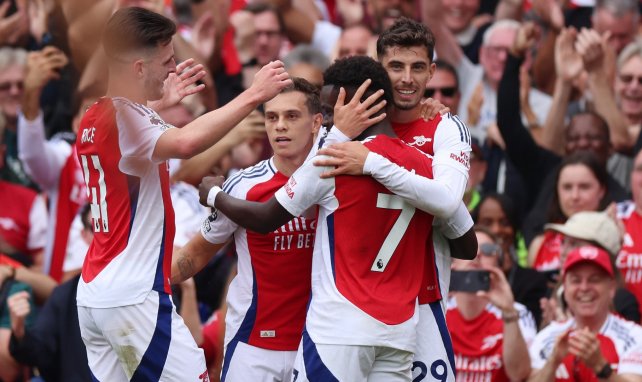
x=120, y=88
x=382, y=128
x=406, y=116
x=287, y=166
x=469, y=305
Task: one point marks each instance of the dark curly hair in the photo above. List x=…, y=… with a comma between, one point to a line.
x=406, y=33
x=351, y=72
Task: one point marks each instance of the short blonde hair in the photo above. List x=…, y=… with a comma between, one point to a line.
x=12, y=56
x=633, y=49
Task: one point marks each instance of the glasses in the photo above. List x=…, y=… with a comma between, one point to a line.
x=489, y=249
x=448, y=91
x=496, y=50
x=6, y=86
x=627, y=78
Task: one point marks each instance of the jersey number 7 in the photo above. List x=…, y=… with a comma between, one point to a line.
x=392, y=202
x=97, y=198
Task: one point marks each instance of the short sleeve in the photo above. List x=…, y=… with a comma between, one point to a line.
x=631, y=360
x=452, y=144
x=217, y=228
x=304, y=189
x=139, y=129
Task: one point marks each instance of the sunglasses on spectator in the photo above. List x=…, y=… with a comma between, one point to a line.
x=627, y=78
x=6, y=86
x=446, y=91
x=489, y=249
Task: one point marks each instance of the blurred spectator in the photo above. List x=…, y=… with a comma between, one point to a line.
x=81, y=234
x=620, y=18
x=460, y=18
x=497, y=213
x=52, y=164
x=306, y=62
x=629, y=259
x=596, y=229
x=490, y=331
x=356, y=40
x=476, y=174
x=628, y=83
x=52, y=343
x=12, y=74
x=581, y=185
x=23, y=219
x=444, y=86
x=267, y=41
x=594, y=343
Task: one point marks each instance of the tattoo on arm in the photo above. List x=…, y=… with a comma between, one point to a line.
x=185, y=267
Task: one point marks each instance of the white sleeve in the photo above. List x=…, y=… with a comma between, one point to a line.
x=139, y=129
x=335, y=136
x=76, y=246
x=188, y=212
x=304, y=189
x=440, y=196
x=526, y=324
x=43, y=160
x=325, y=37
x=457, y=224
x=537, y=352
x=217, y=228
x=37, y=224
x=451, y=146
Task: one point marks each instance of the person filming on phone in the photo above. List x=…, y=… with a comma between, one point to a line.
x=490, y=331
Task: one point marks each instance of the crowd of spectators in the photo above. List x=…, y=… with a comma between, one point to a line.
x=551, y=91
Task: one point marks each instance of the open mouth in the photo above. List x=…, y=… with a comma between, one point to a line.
x=282, y=140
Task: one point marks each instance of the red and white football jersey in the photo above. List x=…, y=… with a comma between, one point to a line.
x=478, y=342
x=629, y=260
x=131, y=207
x=369, y=254
x=620, y=343
x=267, y=299
x=23, y=218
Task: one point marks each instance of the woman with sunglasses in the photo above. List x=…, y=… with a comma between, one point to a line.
x=490, y=331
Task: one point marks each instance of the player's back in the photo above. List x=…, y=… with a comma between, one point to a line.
x=366, y=282
x=132, y=214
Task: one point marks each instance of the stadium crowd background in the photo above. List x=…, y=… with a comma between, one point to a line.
x=551, y=91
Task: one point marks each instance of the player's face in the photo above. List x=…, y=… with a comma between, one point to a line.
x=267, y=37
x=409, y=70
x=11, y=86
x=492, y=216
x=588, y=290
x=628, y=87
x=492, y=56
x=158, y=66
x=290, y=126
x=443, y=87
x=578, y=190
x=354, y=42
x=458, y=14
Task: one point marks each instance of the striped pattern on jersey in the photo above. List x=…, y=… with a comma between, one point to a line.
x=131, y=207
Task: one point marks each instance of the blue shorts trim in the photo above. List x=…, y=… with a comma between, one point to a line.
x=315, y=370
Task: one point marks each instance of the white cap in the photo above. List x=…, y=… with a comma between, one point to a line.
x=597, y=227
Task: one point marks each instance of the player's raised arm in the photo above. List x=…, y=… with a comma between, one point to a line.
x=259, y=217
x=206, y=130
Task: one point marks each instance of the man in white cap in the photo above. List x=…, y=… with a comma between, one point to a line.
x=594, y=344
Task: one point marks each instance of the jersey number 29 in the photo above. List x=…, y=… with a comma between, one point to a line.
x=392, y=202
x=97, y=198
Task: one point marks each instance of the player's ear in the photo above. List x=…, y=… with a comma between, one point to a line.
x=318, y=119
x=139, y=67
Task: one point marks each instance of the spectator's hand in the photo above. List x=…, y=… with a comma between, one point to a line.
x=243, y=24
x=354, y=117
x=12, y=27
x=592, y=47
x=351, y=11
x=204, y=35
x=39, y=11
x=430, y=108
x=6, y=272
x=475, y=104
x=527, y=36
x=561, y=348
x=494, y=136
x=180, y=84
x=347, y=157
x=551, y=311
x=568, y=62
x=269, y=81
x=550, y=13
x=585, y=345
x=19, y=309
x=44, y=66
x=499, y=293
x=206, y=185
x=250, y=128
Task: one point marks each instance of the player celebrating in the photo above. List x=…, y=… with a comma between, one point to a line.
x=361, y=317
x=127, y=320
x=406, y=51
x=267, y=299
